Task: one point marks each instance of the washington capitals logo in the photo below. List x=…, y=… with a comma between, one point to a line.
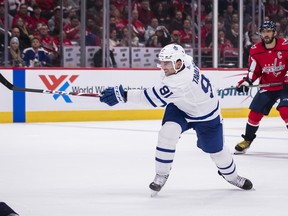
x=60, y=84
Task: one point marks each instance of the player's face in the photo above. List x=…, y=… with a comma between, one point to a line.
x=167, y=66
x=268, y=36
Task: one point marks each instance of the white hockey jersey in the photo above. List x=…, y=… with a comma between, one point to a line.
x=189, y=90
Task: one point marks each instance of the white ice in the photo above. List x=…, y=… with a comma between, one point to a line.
x=104, y=168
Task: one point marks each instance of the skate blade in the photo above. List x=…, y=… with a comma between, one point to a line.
x=154, y=193
x=240, y=152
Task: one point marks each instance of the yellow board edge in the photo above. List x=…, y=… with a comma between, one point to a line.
x=6, y=117
x=113, y=115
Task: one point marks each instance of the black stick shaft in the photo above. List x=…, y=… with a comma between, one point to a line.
x=252, y=86
x=12, y=87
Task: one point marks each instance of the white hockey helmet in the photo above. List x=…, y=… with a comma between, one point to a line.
x=173, y=53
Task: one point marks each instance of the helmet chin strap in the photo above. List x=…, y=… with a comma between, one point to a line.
x=176, y=70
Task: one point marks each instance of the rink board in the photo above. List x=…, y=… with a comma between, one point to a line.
x=35, y=107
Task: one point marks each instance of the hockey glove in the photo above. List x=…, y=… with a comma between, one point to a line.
x=114, y=95
x=243, y=85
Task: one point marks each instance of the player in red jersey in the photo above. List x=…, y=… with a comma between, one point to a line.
x=268, y=62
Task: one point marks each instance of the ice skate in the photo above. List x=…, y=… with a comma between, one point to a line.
x=157, y=184
x=240, y=182
x=243, y=146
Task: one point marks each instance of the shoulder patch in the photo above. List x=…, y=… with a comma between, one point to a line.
x=253, y=46
x=285, y=42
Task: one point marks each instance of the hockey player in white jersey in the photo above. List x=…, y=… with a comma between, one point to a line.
x=191, y=103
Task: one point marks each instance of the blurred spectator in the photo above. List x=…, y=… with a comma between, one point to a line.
x=177, y=5
x=283, y=24
x=92, y=39
x=203, y=14
x=206, y=42
x=138, y=26
x=278, y=26
x=70, y=13
x=175, y=37
x=246, y=16
x=120, y=4
x=112, y=24
x=50, y=45
x=206, y=36
x=37, y=18
x=286, y=30
x=150, y=30
x=25, y=36
x=23, y=14
x=97, y=59
x=2, y=17
x=224, y=45
x=113, y=40
x=125, y=38
x=116, y=18
x=14, y=55
x=186, y=33
x=35, y=56
x=254, y=38
x=47, y=8
x=221, y=22
x=187, y=8
x=252, y=25
x=54, y=22
x=15, y=32
x=235, y=18
x=13, y=6
x=283, y=3
x=72, y=30
x=145, y=13
x=160, y=12
x=272, y=8
x=136, y=4
x=160, y=39
x=228, y=16
x=71, y=4
x=233, y=34
x=124, y=13
x=280, y=14
x=30, y=4
x=177, y=22
x=96, y=10
x=281, y=35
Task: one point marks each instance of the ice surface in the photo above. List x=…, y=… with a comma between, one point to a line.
x=104, y=168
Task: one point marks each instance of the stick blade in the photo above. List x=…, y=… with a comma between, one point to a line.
x=5, y=82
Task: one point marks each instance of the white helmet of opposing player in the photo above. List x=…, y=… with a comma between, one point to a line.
x=173, y=53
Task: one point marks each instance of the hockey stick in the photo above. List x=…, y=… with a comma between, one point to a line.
x=12, y=87
x=252, y=86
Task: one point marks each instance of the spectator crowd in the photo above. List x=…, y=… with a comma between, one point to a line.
x=35, y=26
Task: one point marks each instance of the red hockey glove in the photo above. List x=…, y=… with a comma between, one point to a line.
x=243, y=85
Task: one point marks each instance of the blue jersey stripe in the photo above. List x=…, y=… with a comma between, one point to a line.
x=149, y=99
x=19, y=109
x=157, y=96
x=165, y=150
x=229, y=172
x=227, y=166
x=203, y=117
x=163, y=161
